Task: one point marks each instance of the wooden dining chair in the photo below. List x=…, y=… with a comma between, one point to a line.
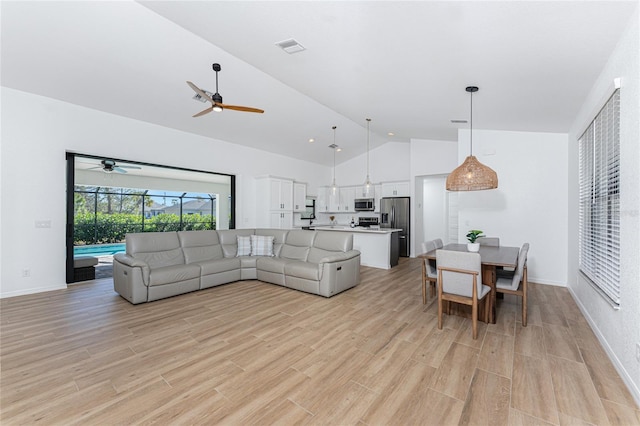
x=517, y=284
x=429, y=271
x=460, y=281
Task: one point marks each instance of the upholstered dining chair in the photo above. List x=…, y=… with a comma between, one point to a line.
x=460, y=281
x=429, y=271
x=438, y=242
x=517, y=284
x=489, y=241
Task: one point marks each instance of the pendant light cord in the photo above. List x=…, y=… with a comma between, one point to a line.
x=368, y=133
x=471, y=125
x=334, y=154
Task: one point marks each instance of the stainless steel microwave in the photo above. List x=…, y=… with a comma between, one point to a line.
x=364, y=204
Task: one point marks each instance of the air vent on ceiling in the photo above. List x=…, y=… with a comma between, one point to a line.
x=459, y=121
x=290, y=46
x=197, y=96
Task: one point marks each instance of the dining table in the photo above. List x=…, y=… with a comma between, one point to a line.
x=491, y=257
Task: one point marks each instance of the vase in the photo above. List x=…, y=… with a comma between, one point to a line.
x=473, y=247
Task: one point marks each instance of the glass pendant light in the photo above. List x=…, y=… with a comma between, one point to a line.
x=367, y=182
x=472, y=175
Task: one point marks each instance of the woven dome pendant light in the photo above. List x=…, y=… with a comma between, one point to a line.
x=472, y=175
x=367, y=181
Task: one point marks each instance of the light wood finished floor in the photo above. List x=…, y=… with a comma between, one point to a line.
x=254, y=353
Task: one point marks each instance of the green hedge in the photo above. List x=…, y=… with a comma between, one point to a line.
x=105, y=228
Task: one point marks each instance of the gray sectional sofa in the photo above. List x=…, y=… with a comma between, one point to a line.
x=164, y=264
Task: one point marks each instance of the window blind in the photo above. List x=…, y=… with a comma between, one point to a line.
x=599, y=216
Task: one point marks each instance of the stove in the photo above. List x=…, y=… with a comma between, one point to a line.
x=367, y=222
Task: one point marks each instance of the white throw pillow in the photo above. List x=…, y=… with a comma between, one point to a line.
x=261, y=245
x=244, y=245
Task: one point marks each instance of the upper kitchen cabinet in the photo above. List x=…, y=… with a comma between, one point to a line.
x=396, y=189
x=362, y=192
x=299, y=196
x=347, y=199
x=274, y=195
x=328, y=200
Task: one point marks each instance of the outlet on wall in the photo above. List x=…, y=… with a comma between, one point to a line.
x=26, y=272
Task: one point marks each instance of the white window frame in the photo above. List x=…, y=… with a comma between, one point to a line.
x=599, y=218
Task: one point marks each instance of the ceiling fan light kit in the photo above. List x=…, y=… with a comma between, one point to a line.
x=472, y=175
x=216, y=98
x=109, y=166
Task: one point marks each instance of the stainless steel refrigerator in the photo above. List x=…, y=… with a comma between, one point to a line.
x=395, y=213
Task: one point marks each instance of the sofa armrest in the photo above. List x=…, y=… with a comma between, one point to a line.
x=132, y=262
x=340, y=256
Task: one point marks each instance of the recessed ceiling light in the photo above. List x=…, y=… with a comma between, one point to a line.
x=391, y=134
x=338, y=149
x=290, y=46
x=459, y=121
x=311, y=140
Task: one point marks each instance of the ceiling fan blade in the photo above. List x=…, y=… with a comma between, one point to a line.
x=203, y=112
x=130, y=167
x=200, y=92
x=119, y=169
x=96, y=167
x=242, y=108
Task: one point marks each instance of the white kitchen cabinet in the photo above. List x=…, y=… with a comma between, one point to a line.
x=361, y=191
x=299, y=196
x=328, y=201
x=280, y=194
x=347, y=199
x=281, y=220
x=396, y=189
x=274, y=200
x=378, y=196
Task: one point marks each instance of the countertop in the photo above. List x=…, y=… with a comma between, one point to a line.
x=362, y=230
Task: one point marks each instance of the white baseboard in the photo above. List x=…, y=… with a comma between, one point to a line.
x=31, y=291
x=626, y=378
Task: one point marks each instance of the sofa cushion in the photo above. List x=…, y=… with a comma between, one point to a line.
x=173, y=274
x=229, y=240
x=244, y=245
x=157, y=249
x=297, y=244
x=306, y=270
x=334, y=241
x=221, y=265
x=199, y=246
x=261, y=245
x=271, y=264
x=328, y=243
x=279, y=237
x=294, y=252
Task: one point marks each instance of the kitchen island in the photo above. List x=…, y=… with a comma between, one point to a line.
x=378, y=247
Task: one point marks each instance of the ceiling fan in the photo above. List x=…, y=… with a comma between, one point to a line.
x=216, y=99
x=109, y=166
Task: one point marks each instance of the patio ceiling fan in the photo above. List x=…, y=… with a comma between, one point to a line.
x=109, y=166
x=216, y=98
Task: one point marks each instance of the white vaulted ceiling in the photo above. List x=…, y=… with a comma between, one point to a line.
x=403, y=64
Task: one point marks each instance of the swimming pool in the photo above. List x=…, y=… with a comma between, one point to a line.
x=99, y=250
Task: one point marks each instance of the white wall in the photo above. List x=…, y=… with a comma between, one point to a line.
x=428, y=159
x=386, y=163
x=530, y=203
x=618, y=330
x=36, y=133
